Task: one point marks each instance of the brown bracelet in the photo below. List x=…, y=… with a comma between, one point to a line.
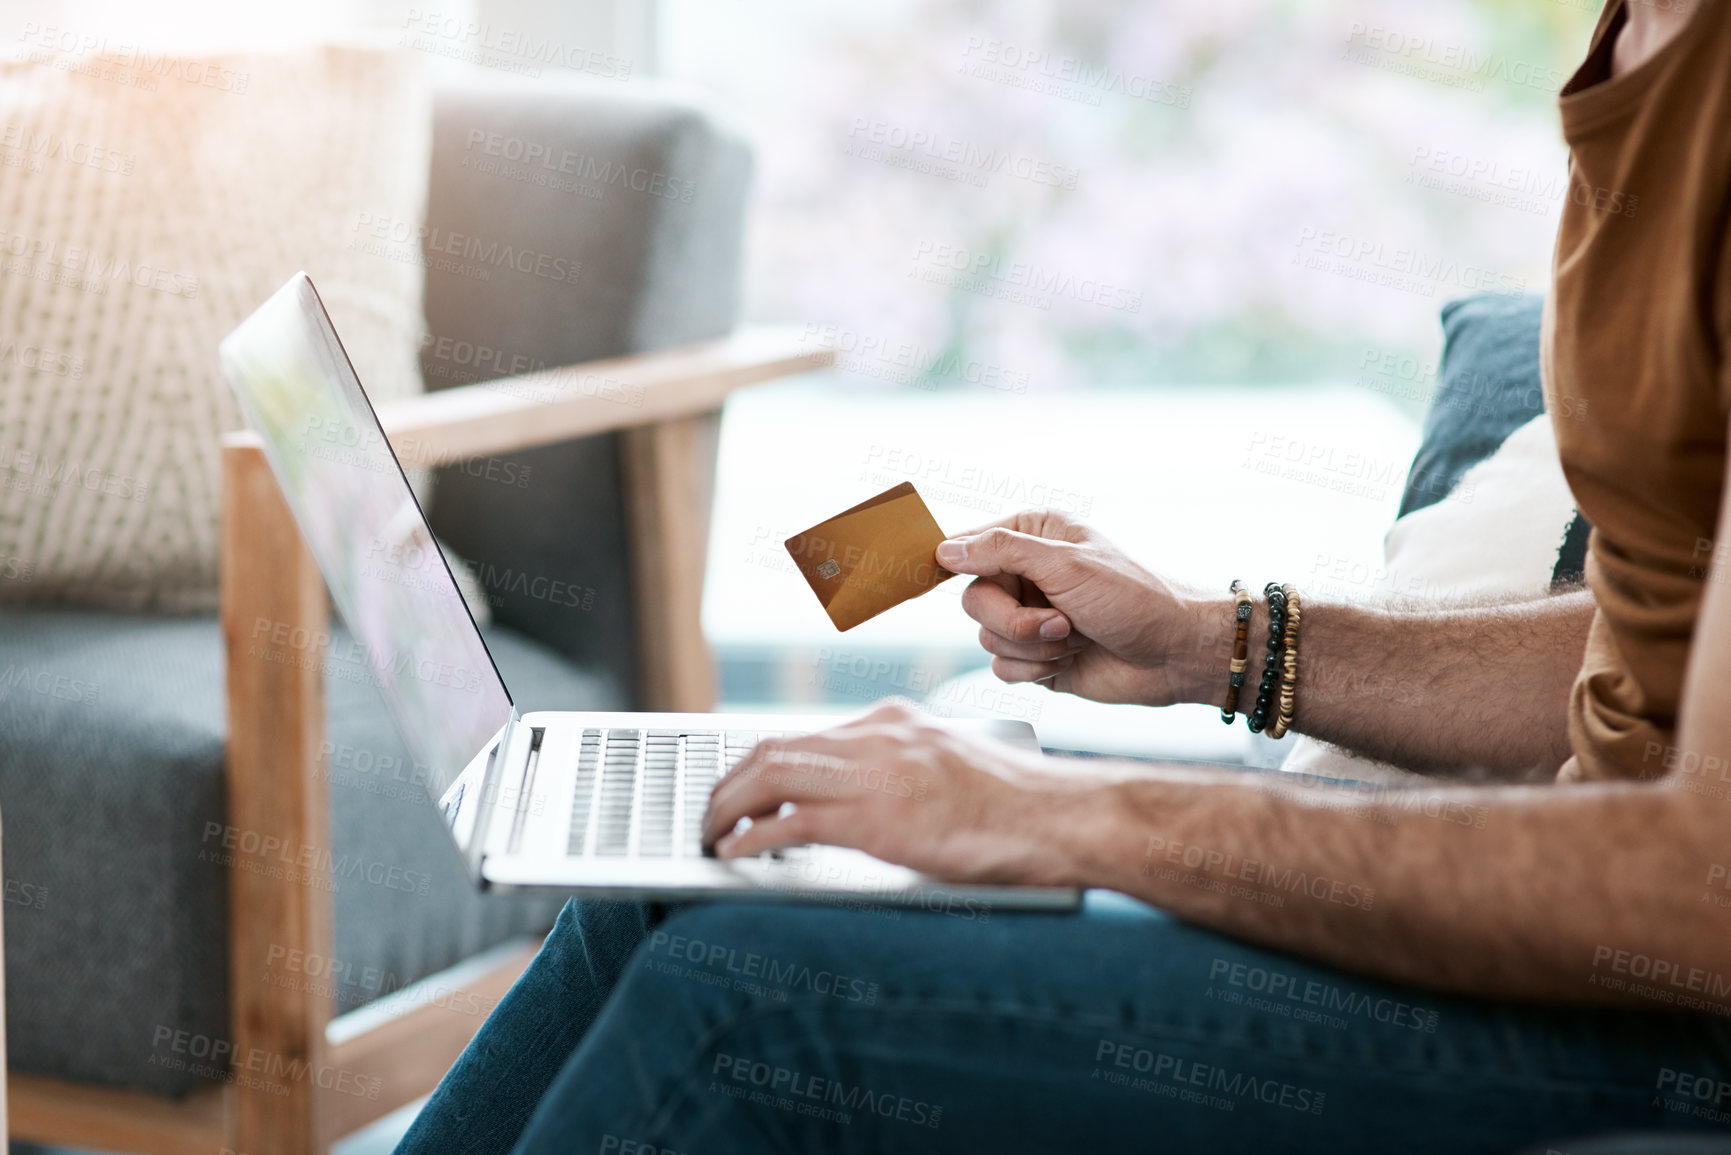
x=1240, y=653
x=1289, y=665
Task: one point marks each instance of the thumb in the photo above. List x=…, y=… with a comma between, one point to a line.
x=1004, y=551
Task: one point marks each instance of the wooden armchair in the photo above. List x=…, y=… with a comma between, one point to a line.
x=302, y=1075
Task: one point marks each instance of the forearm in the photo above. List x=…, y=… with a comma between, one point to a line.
x=1499, y=891
x=1443, y=691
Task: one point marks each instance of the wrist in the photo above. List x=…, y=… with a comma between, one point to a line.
x=1096, y=834
x=1202, y=661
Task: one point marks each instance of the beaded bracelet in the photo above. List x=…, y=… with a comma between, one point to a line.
x=1271, y=664
x=1289, y=664
x=1240, y=653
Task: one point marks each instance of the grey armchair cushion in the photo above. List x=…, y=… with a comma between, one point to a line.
x=112, y=794
x=628, y=214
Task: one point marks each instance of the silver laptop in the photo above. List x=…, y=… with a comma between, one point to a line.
x=610, y=804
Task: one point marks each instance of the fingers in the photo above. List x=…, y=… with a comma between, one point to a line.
x=1038, y=522
x=999, y=611
x=1043, y=561
x=1014, y=670
x=806, y=823
x=812, y=767
x=763, y=780
x=827, y=765
x=1030, y=651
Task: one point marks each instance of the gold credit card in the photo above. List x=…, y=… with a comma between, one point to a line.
x=876, y=555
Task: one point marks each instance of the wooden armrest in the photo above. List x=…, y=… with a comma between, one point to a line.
x=274, y=619
x=574, y=401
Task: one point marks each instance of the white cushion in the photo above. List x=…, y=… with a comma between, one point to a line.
x=147, y=205
x=1493, y=539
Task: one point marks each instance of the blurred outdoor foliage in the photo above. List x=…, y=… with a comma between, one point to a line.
x=1132, y=188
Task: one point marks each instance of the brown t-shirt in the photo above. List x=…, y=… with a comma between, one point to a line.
x=1635, y=371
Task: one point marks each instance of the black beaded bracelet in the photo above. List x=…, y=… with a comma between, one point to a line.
x=1267, y=690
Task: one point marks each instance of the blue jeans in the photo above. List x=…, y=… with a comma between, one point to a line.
x=752, y=1027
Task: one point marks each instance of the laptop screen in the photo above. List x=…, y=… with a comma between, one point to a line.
x=411, y=632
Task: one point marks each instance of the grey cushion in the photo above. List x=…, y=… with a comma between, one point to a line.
x=112, y=796
x=659, y=256
x=1489, y=386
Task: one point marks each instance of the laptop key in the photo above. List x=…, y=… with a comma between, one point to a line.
x=619, y=774
x=583, y=800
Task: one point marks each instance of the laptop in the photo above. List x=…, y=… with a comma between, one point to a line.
x=603, y=804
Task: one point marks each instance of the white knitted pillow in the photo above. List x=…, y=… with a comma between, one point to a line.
x=1495, y=538
x=147, y=205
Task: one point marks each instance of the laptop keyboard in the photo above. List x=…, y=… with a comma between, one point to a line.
x=643, y=792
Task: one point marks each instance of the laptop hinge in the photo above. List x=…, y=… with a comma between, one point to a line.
x=491, y=778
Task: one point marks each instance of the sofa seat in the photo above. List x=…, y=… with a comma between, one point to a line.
x=111, y=792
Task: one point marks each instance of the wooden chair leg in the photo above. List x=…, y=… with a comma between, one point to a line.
x=670, y=480
x=3, y=1116
x=275, y=623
